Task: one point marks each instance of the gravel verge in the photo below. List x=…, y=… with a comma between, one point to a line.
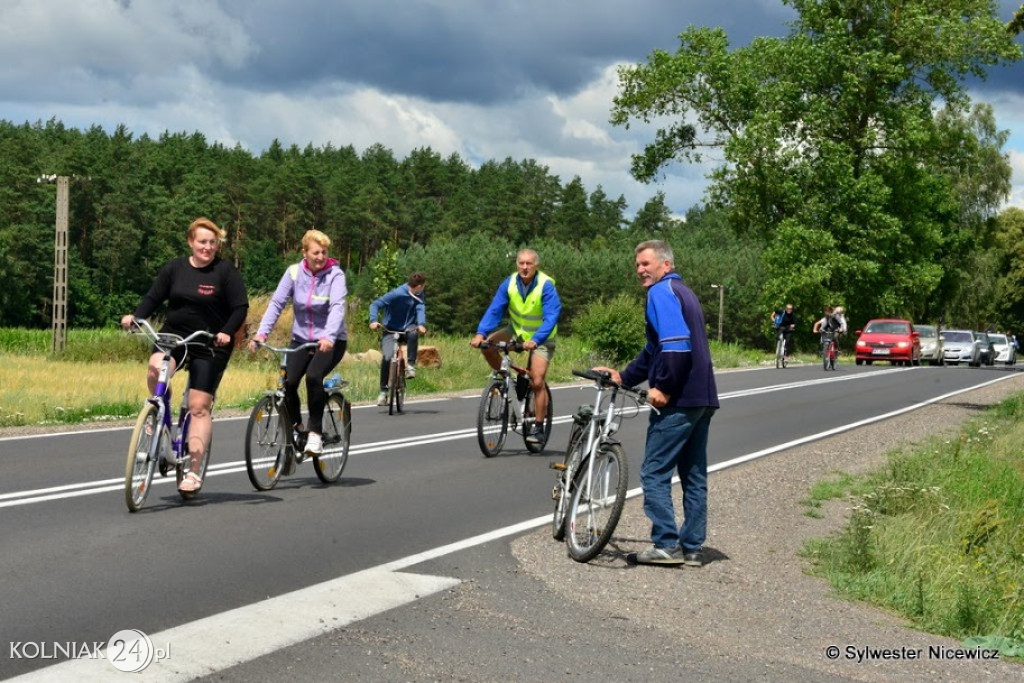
x=753, y=601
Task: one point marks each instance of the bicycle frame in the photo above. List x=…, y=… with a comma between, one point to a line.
x=162, y=394
x=278, y=393
x=511, y=395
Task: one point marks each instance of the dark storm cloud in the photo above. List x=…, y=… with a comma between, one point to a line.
x=471, y=51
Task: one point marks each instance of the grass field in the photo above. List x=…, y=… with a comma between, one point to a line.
x=101, y=375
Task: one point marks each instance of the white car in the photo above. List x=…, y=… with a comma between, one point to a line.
x=1006, y=352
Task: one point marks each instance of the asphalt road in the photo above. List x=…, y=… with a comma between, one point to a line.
x=77, y=567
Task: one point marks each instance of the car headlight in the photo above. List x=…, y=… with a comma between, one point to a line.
x=902, y=344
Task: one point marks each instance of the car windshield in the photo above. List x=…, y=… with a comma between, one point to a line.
x=957, y=336
x=888, y=327
x=998, y=338
x=926, y=331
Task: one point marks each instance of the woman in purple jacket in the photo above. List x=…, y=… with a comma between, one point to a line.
x=316, y=287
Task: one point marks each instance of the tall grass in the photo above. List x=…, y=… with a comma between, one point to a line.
x=937, y=536
x=101, y=373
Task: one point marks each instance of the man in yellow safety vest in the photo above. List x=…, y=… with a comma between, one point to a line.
x=533, y=307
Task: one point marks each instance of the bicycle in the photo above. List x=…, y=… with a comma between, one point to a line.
x=590, y=491
x=509, y=402
x=274, y=448
x=396, y=372
x=781, y=361
x=828, y=350
x=156, y=443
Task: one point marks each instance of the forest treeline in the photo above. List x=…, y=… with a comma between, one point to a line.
x=132, y=199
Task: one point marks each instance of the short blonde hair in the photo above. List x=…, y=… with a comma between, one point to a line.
x=315, y=236
x=204, y=222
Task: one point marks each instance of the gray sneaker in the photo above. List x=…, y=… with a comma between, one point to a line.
x=654, y=555
x=694, y=559
x=534, y=433
x=382, y=398
x=410, y=372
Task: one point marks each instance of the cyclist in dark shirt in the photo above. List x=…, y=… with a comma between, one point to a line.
x=202, y=292
x=785, y=320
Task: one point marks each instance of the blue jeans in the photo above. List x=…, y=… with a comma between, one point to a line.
x=677, y=441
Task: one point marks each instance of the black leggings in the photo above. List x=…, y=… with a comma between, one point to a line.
x=315, y=365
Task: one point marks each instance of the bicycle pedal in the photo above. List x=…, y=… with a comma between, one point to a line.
x=560, y=466
x=556, y=492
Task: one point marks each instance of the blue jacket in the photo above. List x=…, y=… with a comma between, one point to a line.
x=402, y=309
x=318, y=301
x=550, y=302
x=677, y=358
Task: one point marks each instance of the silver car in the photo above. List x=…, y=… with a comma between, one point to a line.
x=958, y=346
x=931, y=345
x=1006, y=351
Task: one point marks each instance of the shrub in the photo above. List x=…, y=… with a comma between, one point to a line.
x=614, y=329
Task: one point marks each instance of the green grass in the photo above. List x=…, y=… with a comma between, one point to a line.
x=937, y=534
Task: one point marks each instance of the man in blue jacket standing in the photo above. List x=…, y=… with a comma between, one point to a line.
x=405, y=311
x=676, y=364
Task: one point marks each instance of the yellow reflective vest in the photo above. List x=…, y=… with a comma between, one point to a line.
x=526, y=315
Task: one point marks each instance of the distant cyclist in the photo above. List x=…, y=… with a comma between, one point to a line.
x=404, y=310
x=830, y=322
x=785, y=319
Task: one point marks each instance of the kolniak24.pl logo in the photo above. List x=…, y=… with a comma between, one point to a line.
x=128, y=650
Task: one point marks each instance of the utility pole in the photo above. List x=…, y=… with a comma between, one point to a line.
x=721, y=308
x=60, y=263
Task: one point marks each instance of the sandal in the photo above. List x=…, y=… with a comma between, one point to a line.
x=190, y=483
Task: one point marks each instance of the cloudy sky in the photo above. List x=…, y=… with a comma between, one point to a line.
x=486, y=79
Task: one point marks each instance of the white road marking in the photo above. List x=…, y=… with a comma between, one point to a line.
x=209, y=645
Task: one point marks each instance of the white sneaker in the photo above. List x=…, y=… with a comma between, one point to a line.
x=410, y=372
x=314, y=445
x=382, y=398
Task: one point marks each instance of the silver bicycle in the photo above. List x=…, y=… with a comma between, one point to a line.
x=591, y=488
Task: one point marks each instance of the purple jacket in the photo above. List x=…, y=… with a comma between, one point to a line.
x=318, y=301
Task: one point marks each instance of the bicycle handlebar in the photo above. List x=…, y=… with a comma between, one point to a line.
x=285, y=349
x=503, y=345
x=166, y=341
x=604, y=379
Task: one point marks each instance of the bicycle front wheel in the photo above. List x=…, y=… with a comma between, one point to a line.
x=566, y=484
x=529, y=415
x=397, y=387
x=492, y=419
x=265, y=441
x=780, y=353
x=337, y=435
x=141, y=462
x=597, y=503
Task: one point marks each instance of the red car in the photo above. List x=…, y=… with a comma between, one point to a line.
x=889, y=339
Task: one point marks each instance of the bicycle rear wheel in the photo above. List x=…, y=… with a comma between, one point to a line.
x=337, y=435
x=492, y=419
x=141, y=462
x=529, y=415
x=265, y=441
x=562, y=492
x=597, y=503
